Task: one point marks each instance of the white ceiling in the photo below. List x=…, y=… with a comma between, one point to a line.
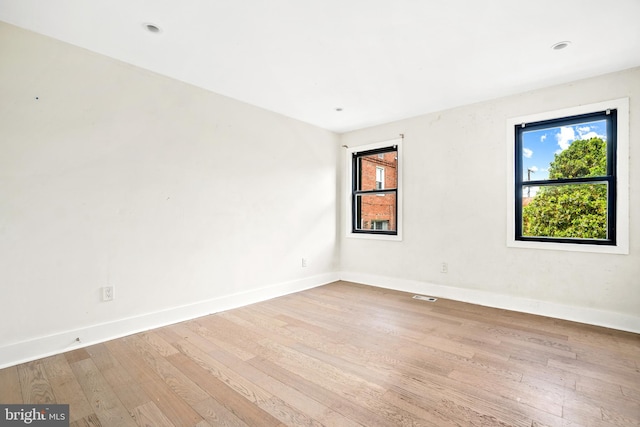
x=378, y=60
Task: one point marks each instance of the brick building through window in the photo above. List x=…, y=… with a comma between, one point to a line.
x=378, y=210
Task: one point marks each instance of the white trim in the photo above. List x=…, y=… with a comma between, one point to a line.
x=622, y=161
x=591, y=316
x=347, y=224
x=36, y=348
x=32, y=349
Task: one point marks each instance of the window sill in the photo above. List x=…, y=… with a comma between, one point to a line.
x=371, y=236
x=571, y=247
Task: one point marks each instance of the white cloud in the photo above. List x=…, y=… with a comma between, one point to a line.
x=584, y=129
x=565, y=137
x=527, y=152
x=589, y=135
x=543, y=137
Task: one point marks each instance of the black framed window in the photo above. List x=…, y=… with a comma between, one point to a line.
x=565, y=179
x=375, y=191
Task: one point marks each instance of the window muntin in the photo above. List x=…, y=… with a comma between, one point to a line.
x=565, y=179
x=374, y=191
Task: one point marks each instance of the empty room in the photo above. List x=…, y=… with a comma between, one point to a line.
x=320, y=213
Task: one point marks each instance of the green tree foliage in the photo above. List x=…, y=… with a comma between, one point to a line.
x=571, y=210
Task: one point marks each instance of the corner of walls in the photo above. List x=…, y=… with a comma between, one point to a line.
x=456, y=207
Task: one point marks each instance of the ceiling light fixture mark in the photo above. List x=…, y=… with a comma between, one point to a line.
x=561, y=45
x=338, y=109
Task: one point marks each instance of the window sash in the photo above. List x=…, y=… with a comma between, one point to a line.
x=610, y=116
x=356, y=191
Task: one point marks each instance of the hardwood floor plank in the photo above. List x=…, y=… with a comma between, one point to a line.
x=66, y=388
x=246, y=388
x=346, y=407
x=175, y=408
x=366, y=393
x=273, y=402
x=347, y=355
x=168, y=334
x=542, y=373
x=442, y=414
x=88, y=421
x=124, y=385
x=582, y=413
x=612, y=357
x=214, y=337
x=286, y=400
x=351, y=358
x=217, y=414
x=176, y=380
x=595, y=388
x=512, y=390
x=203, y=423
x=104, y=401
x=76, y=355
x=617, y=376
x=243, y=401
x=630, y=393
x=460, y=406
x=618, y=419
x=148, y=415
x=159, y=344
x=10, y=389
x=496, y=366
x=35, y=383
x=614, y=404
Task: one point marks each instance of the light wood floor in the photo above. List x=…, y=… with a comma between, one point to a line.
x=346, y=355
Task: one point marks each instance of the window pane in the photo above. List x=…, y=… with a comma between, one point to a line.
x=573, y=151
x=379, y=178
x=376, y=211
x=380, y=225
x=378, y=171
x=576, y=211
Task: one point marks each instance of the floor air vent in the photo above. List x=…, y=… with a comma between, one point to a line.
x=425, y=298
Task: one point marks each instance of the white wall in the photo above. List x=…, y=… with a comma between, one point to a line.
x=189, y=202
x=186, y=201
x=455, y=211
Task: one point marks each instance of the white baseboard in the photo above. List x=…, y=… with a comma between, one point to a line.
x=591, y=316
x=45, y=346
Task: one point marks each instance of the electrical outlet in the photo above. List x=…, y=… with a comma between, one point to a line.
x=444, y=267
x=107, y=293
x=305, y=262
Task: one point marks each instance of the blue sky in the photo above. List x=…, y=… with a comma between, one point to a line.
x=540, y=146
